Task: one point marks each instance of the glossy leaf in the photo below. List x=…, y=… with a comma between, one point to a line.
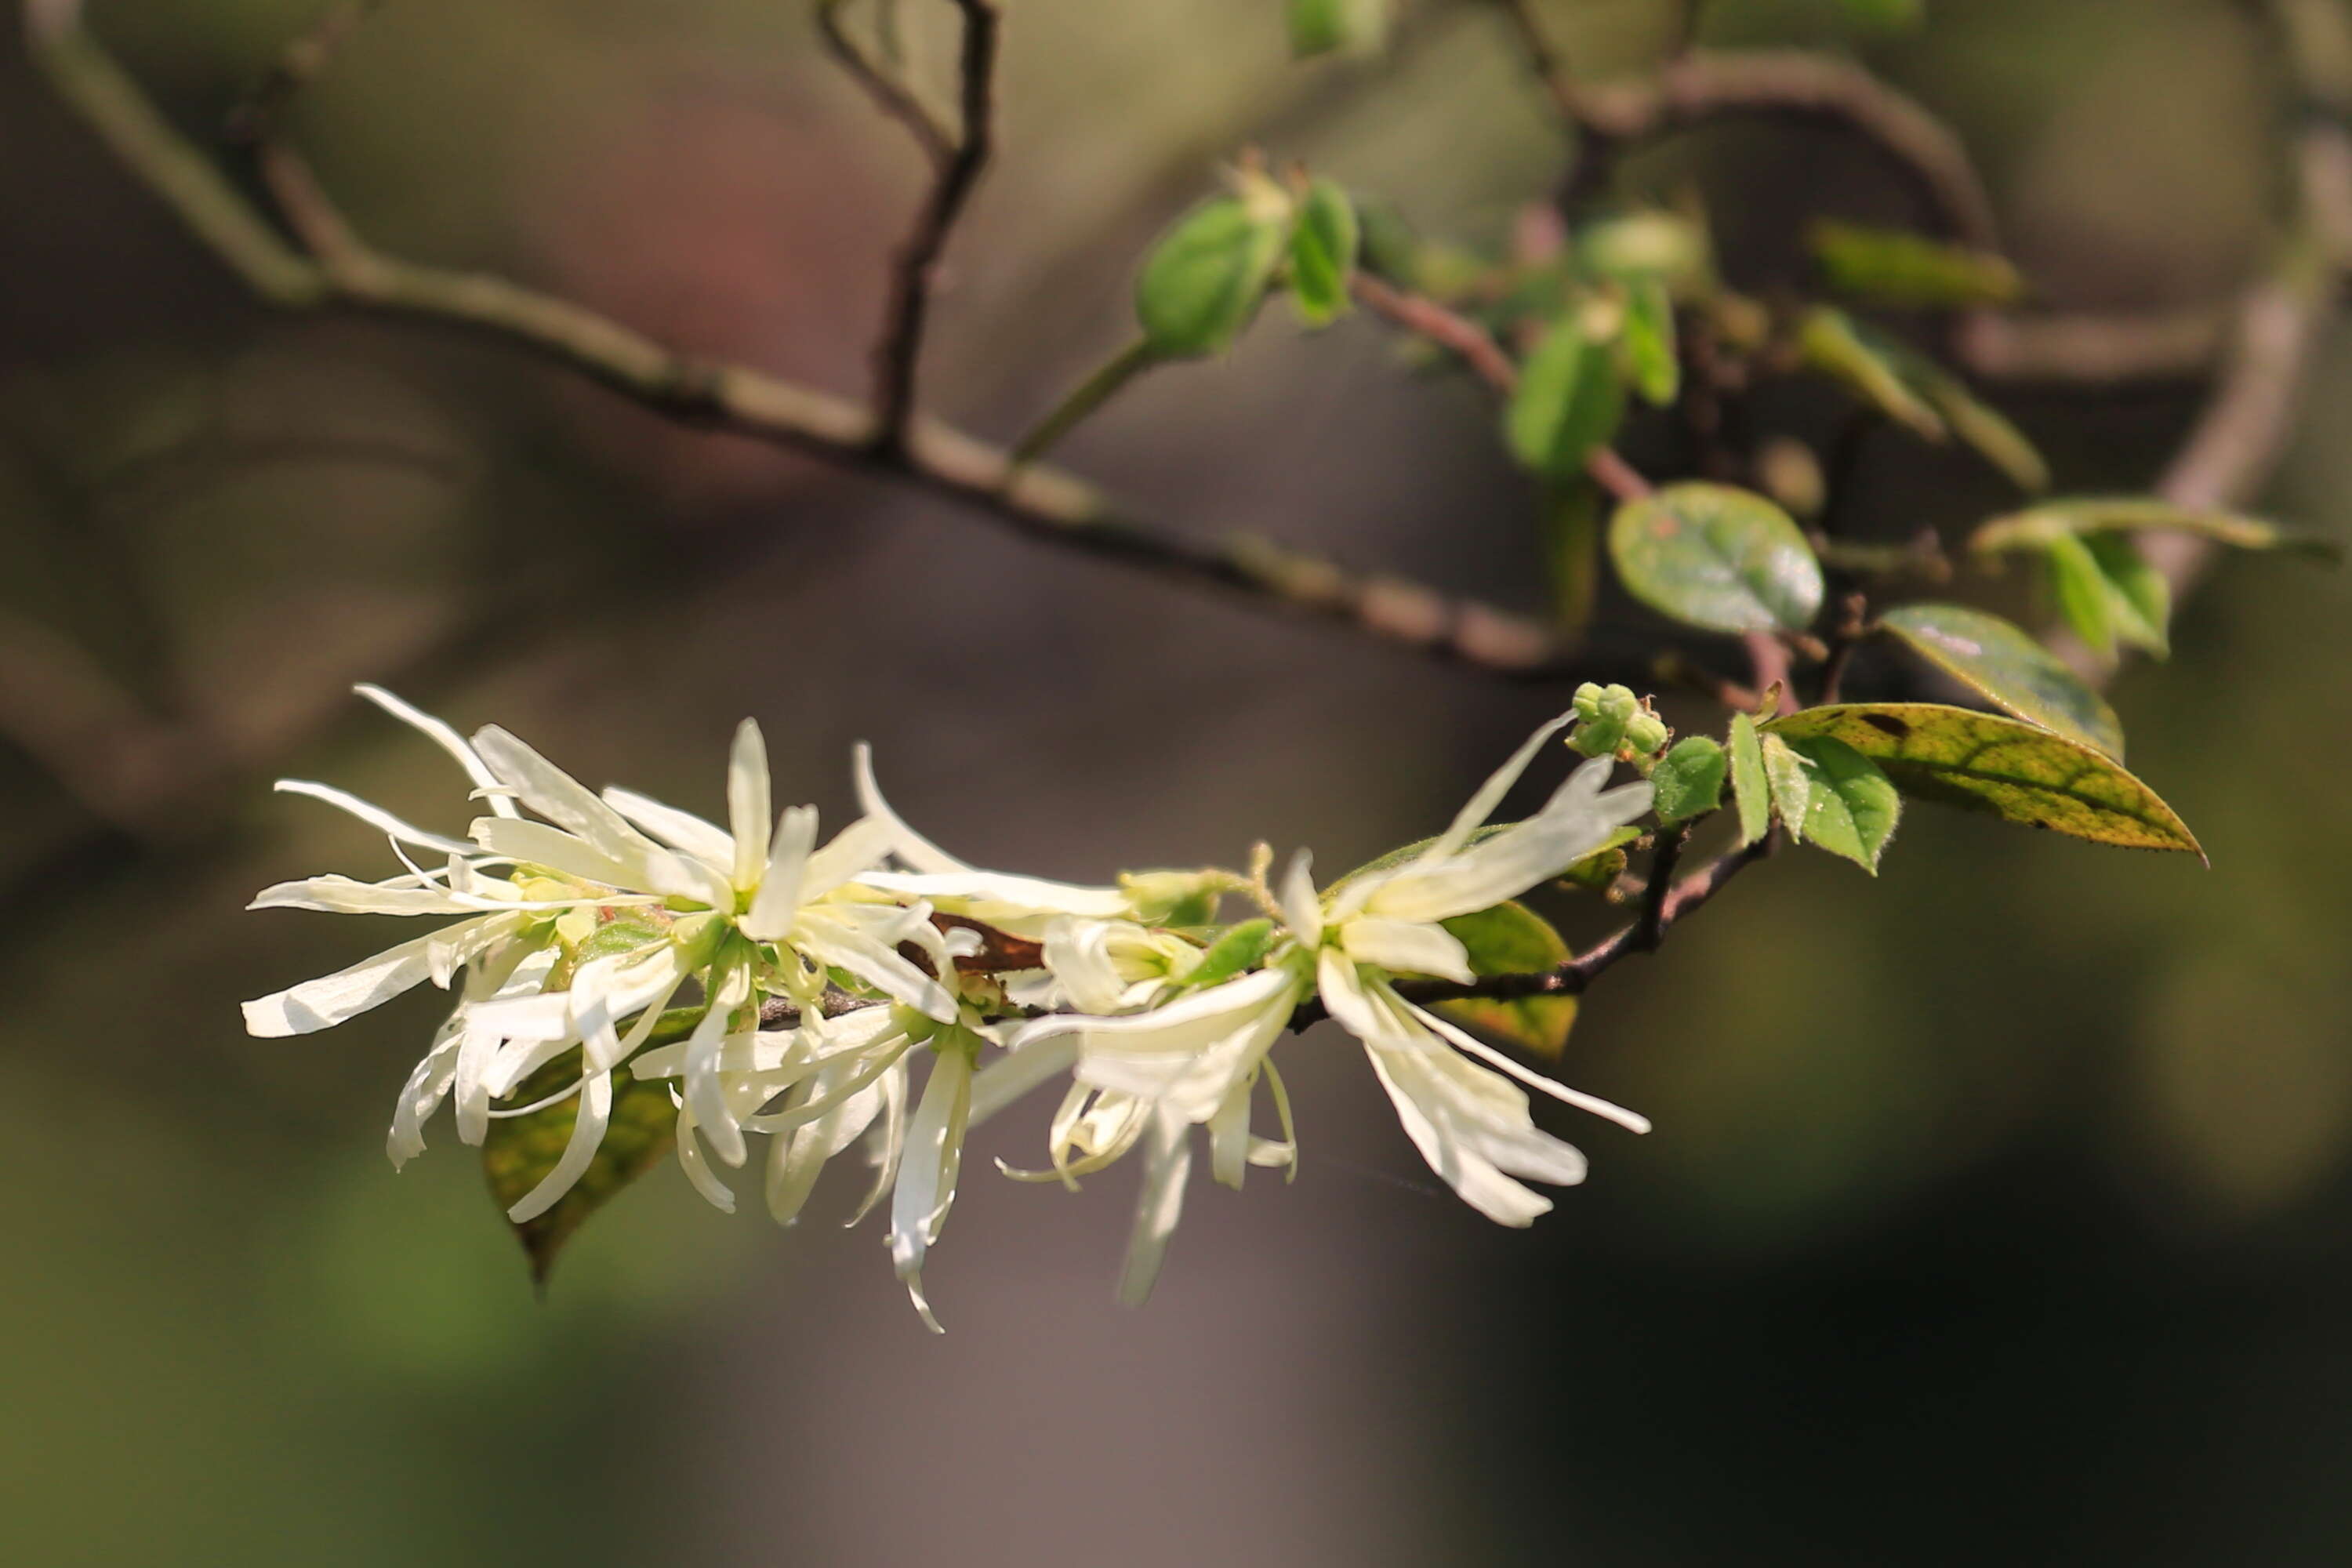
x=2035, y=527
x=1204, y=282
x=1348, y=26
x=1511, y=939
x=2018, y=772
x=519, y=1151
x=1894, y=266
x=1651, y=362
x=1689, y=779
x=1998, y=660
x=1831, y=796
x=1748, y=785
x=1717, y=557
x=1569, y=401
x=1323, y=254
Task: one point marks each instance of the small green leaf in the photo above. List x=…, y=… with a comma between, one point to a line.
x=2032, y=528
x=1204, y=282
x=1832, y=796
x=1237, y=950
x=2018, y=772
x=1389, y=248
x=1717, y=557
x=1323, y=254
x=1569, y=402
x=1748, y=785
x=1511, y=939
x=1348, y=26
x=1892, y=266
x=2139, y=598
x=1660, y=246
x=1830, y=343
x=2082, y=594
x=1651, y=362
x=519, y=1151
x=1998, y=660
x=1689, y=780
x=1978, y=424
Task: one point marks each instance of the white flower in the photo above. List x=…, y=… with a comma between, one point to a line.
x=1470, y=1124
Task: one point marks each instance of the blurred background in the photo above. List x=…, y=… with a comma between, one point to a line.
x=1998, y=1210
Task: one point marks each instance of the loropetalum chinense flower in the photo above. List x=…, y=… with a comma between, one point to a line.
x=587, y=918
x=1197, y=1058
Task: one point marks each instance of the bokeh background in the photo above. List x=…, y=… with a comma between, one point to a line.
x=1998, y=1210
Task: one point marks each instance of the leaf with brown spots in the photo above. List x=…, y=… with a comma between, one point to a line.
x=2016, y=771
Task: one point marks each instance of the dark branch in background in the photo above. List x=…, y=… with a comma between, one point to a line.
x=891, y=94
x=1703, y=86
x=2229, y=454
x=1038, y=502
x=914, y=270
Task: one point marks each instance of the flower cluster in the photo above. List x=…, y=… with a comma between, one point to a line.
x=789, y=988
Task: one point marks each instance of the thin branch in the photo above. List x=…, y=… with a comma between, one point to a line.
x=1650, y=929
x=891, y=94
x=1040, y=503
x=914, y=270
x=301, y=62
x=1476, y=348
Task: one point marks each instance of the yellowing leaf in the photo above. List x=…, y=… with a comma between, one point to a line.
x=1511, y=939
x=1998, y=660
x=2018, y=772
x=1748, y=785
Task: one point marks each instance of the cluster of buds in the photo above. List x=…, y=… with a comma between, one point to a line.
x=1611, y=722
x=788, y=988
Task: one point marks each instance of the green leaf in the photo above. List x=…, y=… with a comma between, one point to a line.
x=1717, y=557
x=1997, y=659
x=2081, y=590
x=2141, y=599
x=1830, y=342
x=1511, y=939
x=1895, y=267
x=1323, y=254
x=1569, y=402
x=2035, y=527
x=1389, y=248
x=1349, y=27
x=1204, y=282
x=519, y=1151
x=2018, y=772
x=1748, y=785
x=1654, y=369
x=1978, y=424
x=1832, y=797
x=1917, y=392
x=1689, y=779
x=1572, y=548
x=1237, y=950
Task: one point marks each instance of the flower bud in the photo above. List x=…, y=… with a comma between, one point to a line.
x=1604, y=710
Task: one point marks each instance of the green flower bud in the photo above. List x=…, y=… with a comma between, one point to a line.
x=1647, y=734
x=1605, y=711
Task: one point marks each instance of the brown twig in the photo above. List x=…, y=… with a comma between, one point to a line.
x=892, y=95
x=1476, y=348
x=1040, y=503
x=898, y=357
